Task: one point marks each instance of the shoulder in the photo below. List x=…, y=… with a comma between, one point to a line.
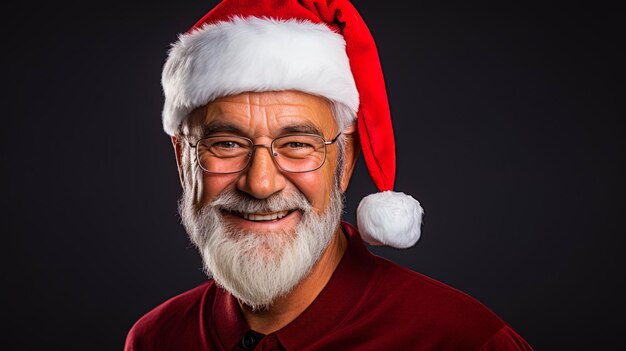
x=403, y=282
x=414, y=302
x=163, y=323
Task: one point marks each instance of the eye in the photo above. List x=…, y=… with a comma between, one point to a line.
x=298, y=145
x=226, y=144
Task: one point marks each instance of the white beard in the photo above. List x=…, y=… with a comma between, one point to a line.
x=258, y=268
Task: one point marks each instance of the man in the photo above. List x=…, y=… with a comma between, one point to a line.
x=268, y=104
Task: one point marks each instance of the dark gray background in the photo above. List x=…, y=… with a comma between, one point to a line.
x=506, y=119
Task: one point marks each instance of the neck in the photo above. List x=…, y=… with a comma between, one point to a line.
x=287, y=308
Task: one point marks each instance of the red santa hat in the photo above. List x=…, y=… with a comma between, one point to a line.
x=319, y=47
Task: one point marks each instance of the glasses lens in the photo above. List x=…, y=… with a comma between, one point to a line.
x=223, y=154
x=299, y=153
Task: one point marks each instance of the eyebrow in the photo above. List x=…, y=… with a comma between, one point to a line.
x=220, y=127
x=215, y=127
x=305, y=128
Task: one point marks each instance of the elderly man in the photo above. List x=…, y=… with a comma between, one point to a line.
x=268, y=104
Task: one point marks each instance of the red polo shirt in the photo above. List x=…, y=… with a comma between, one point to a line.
x=369, y=304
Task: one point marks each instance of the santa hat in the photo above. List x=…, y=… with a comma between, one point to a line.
x=319, y=47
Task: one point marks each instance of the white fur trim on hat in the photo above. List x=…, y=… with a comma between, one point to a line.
x=255, y=54
x=390, y=218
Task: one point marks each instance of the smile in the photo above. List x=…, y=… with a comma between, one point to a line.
x=262, y=217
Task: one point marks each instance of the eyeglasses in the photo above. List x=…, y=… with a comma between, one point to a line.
x=297, y=153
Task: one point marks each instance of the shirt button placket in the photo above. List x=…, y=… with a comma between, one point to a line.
x=270, y=343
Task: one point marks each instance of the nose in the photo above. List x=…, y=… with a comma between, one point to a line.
x=262, y=178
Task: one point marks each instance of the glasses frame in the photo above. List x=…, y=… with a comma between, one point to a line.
x=270, y=147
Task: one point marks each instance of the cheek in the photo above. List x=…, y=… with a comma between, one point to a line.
x=316, y=186
x=212, y=185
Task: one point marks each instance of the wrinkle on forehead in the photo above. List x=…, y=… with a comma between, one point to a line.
x=264, y=113
x=270, y=98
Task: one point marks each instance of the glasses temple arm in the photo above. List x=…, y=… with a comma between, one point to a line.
x=333, y=141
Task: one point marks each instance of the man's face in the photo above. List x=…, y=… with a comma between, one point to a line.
x=254, y=258
x=263, y=117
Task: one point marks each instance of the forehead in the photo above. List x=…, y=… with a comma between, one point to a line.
x=275, y=109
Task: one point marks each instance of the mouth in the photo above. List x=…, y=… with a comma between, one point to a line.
x=263, y=216
x=263, y=222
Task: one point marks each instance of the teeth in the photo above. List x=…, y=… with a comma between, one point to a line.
x=264, y=217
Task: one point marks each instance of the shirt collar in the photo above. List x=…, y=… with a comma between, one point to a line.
x=334, y=303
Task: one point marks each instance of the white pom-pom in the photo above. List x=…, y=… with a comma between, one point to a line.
x=390, y=218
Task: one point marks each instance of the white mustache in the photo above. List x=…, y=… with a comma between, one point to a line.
x=237, y=201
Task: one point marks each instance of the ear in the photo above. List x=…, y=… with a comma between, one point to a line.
x=178, y=152
x=351, y=155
